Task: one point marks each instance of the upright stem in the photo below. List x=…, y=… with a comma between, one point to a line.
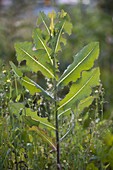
x=57, y=138
x=56, y=117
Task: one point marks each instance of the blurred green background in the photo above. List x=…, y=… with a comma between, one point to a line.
x=92, y=21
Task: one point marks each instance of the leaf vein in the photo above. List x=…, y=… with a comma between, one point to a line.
x=76, y=93
x=37, y=62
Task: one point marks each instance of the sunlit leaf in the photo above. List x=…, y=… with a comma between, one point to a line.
x=28, y=83
x=68, y=27
x=58, y=38
x=81, y=106
x=85, y=103
x=65, y=112
x=42, y=18
x=61, y=27
x=24, y=52
x=36, y=120
x=41, y=43
x=84, y=60
x=80, y=90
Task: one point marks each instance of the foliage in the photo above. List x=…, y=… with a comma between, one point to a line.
x=40, y=121
x=88, y=23
x=49, y=42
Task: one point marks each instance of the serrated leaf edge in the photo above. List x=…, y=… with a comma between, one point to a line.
x=45, y=49
x=76, y=93
x=62, y=79
x=37, y=62
x=59, y=37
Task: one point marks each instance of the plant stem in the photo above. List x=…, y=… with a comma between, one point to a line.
x=57, y=137
x=56, y=117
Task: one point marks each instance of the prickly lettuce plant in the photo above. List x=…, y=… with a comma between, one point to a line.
x=63, y=95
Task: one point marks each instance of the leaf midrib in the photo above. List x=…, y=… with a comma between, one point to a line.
x=76, y=93
x=45, y=24
x=45, y=49
x=37, y=62
x=59, y=37
x=42, y=123
x=70, y=72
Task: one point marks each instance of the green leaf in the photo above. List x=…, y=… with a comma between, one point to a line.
x=84, y=60
x=58, y=38
x=65, y=112
x=42, y=18
x=59, y=27
x=36, y=120
x=44, y=136
x=81, y=89
x=41, y=43
x=28, y=83
x=25, y=51
x=68, y=27
x=68, y=24
x=17, y=72
x=81, y=106
x=62, y=27
x=84, y=104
